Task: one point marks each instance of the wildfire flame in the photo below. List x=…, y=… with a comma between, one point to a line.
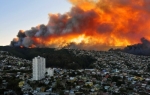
x=21, y=46
x=92, y=24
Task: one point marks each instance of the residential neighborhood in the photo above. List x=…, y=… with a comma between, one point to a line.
x=113, y=73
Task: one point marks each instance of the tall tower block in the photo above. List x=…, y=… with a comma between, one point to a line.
x=38, y=68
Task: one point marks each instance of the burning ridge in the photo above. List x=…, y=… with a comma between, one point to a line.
x=91, y=24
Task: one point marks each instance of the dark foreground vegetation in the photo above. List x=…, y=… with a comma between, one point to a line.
x=54, y=58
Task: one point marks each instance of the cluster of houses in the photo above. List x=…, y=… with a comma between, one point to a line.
x=9, y=62
x=131, y=70
x=114, y=73
x=11, y=67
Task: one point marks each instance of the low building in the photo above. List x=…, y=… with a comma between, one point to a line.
x=50, y=71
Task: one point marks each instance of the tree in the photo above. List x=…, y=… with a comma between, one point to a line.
x=61, y=92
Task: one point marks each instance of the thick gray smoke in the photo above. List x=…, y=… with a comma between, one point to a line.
x=25, y=38
x=142, y=48
x=109, y=22
x=20, y=37
x=57, y=25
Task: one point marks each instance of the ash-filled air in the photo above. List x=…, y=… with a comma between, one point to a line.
x=91, y=24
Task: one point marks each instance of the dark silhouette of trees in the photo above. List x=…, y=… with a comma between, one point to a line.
x=54, y=58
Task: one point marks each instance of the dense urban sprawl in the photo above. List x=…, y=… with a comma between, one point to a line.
x=113, y=73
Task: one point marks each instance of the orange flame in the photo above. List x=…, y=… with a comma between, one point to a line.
x=98, y=24
x=21, y=46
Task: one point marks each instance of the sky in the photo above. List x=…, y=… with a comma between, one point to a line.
x=18, y=15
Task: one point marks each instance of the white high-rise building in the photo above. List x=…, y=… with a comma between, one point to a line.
x=38, y=67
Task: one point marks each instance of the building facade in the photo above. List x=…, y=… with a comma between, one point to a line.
x=38, y=67
x=50, y=71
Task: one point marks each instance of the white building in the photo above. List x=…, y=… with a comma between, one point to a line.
x=50, y=71
x=38, y=67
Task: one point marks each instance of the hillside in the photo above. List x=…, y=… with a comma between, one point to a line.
x=54, y=58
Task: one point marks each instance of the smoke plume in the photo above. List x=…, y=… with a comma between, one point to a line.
x=142, y=48
x=92, y=24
